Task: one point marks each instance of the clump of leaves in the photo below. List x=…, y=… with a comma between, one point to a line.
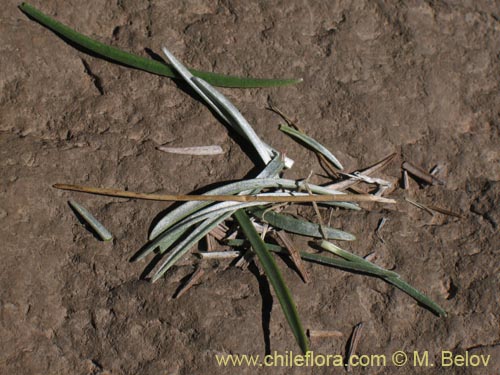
x=182, y=228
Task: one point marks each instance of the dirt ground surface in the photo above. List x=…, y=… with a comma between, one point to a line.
x=416, y=78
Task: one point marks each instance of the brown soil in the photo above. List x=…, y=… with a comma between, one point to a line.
x=419, y=79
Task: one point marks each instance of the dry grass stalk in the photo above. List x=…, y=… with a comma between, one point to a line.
x=431, y=209
x=445, y=211
x=219, y=232
x=342, y=185
x=421, y=174
x=211, y=243
x=225, y=198
x=383, y=185
x=316, y=208
x=294, y=255
x=420, y=205
x=245, y=260
x=190, y=283
x=406, y=181
x=354, y=342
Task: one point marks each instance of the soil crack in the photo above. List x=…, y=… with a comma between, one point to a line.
x=96, y=80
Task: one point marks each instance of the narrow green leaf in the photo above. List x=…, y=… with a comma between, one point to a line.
x=305, y=228
x=275, y=278
x=392, y=278
x=321, y=259
x=356, y=259
x=420, y=297
x=311, y=142
x=357, y=266
x=143, y=63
